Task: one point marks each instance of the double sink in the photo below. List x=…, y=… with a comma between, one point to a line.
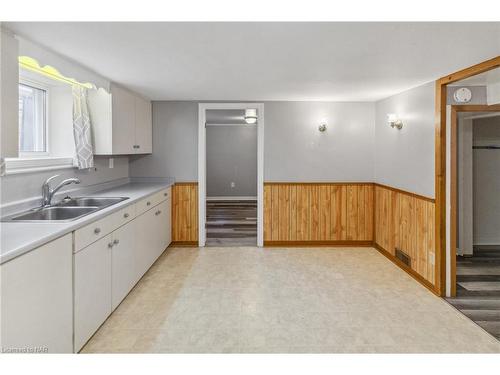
x=67, y=210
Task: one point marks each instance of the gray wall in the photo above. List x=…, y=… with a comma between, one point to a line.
x=405, y=158
x=175, y=143
x=231, y=157
x=486, y=185
x=28, y=185
x=294, y=149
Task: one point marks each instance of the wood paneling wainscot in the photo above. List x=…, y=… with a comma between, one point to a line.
x=185, y=213
x=406, y=221
x=318, y=213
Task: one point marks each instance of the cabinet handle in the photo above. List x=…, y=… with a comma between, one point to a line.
x=138, y=146
x=97, y=230
x=157, y=212
x=148, y=203
x=116, y=241
x=125, y=215
x=165, y=194
x=110, y=245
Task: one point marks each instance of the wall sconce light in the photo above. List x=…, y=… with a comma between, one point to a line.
x=394, y=121
x=251, y=116
x=322, y=127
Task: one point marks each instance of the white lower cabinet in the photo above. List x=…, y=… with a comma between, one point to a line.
x=146, y=242
x=163, y=226
x=106, y=270
x=36, y=299
x=123, y=260
x=92, y=285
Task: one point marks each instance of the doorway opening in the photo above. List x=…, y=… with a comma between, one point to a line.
x=475, y=213
x=230, y=174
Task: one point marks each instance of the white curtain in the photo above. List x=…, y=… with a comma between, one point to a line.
x=82, y=128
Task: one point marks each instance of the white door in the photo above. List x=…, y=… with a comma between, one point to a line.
x=92, y=284
x=123, y=106
x=143, y=126
x=163, y=227
x=145, y=241
x=123, y=262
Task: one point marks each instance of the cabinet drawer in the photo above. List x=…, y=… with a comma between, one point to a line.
x=100, y=228
x=151, y=201
x=125, y=215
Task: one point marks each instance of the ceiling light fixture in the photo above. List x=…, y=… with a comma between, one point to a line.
x=251, y=116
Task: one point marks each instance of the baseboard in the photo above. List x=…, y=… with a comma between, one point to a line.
x=184, y=243
x=405, y=268
x=242, y=198
x=318, y=243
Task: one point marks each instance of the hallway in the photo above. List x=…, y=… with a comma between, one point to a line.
x=478, y=288
x=231, y=223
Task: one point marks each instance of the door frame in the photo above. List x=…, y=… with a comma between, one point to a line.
x=455, y=110
x=202, y=166
x=440, y=171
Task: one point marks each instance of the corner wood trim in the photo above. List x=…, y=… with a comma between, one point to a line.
x=184, y=244
x=317, y=243
x=432, y=200
x=318, y=183
x=407, y=269
x=268, y=183
x=186, y=183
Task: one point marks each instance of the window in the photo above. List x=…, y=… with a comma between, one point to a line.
x=32, y=120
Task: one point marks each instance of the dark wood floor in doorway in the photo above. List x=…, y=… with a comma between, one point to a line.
x=478, y=288
x=231, y=223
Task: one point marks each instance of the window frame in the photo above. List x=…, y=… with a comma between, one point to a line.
x=38, y=154
x=32, y=162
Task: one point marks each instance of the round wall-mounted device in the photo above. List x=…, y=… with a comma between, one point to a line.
x=462, y=95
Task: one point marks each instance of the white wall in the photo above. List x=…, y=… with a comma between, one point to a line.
x=28, y=185
x=486, y=170
x=405, y=158
x=294, y=148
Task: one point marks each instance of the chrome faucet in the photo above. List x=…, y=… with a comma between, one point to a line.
x=48, y=193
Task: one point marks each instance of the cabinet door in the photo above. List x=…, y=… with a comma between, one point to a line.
x=163, y=227
x=123, y=103
x=145, y=241
x=143, y=126
x=92, y=278
x=123, y=262
x=37, y=298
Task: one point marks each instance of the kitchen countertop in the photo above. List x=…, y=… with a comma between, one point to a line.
x=18, y=238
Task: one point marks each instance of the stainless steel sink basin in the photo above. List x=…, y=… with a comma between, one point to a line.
x=90, y=202
x=55, y=213
x=66, y=210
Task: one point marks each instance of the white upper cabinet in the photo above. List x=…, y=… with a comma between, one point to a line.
x=143, y=126
x=9, y=95
x=121, y=122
